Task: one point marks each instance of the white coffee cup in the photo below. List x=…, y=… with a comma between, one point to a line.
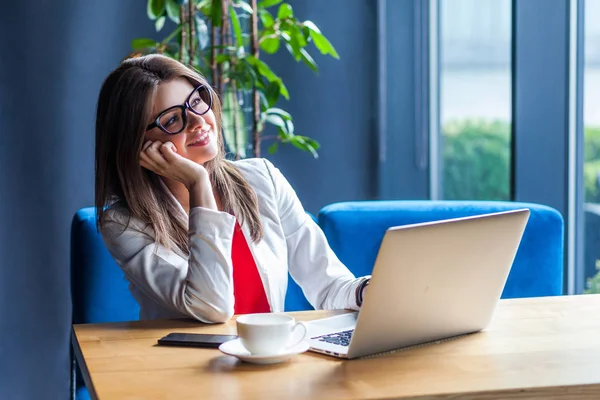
x=269, y=334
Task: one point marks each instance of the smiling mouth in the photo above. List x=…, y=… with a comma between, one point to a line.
x=202, y=140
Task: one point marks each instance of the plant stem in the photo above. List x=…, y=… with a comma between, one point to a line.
x=227, y=42
x=171, y=35
x=191, y=23
x=255, y=96
x=236, y=127
x=224, y=28
x=183, y=38
x=213, y=54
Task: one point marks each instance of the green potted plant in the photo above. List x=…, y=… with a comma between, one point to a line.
x=223, y=40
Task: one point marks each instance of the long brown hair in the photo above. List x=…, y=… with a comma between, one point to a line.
x=124, y=109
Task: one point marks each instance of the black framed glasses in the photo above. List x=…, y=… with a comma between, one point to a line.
x=173, y=120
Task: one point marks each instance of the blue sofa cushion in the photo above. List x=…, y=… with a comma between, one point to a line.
x=82, y=394
x=100, y=292
x=355, y=230
x=294, y=297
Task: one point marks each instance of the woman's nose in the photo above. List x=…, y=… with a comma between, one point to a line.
x=194, y=120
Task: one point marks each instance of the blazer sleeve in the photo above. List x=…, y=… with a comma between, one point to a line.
x=200, y=285
x=325, y=281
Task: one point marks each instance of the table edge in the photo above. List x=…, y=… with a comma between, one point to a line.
x=87, y=379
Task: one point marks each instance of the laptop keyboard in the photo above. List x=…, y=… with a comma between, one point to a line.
x=339, y=338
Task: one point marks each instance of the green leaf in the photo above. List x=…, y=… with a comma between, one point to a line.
x=272, y=93
x=173, y=11
x=221, y=58
x=264, y=103
x=270, y=45
x=290, y=126
x=297, y=33
x=232, y=116
x=273, y=148
x=292, y=46
x=298, y=142
x=262, y=68
x=283, y=135
x=301, y=143
x=237, y=30
x=285, y=11
x=283, y=90
x=321, y=42
x=296, y=47
x=155, y=8
x=308, y=60
x=305, y=32
x=269, y=3
x=279, y=122
x=216, y=12
x=244, y=6
x=311, y=142
x=172, y=35
x=311, y=25
x=160, y=23
x=246, y=69
x=266, y=18
x=137, y=44
x=205, y=7
x=284, y=114
x=202, y=32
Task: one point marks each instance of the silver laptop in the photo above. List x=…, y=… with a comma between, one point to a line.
x=431, y=281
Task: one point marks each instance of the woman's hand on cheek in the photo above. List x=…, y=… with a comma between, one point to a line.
x=162, y=159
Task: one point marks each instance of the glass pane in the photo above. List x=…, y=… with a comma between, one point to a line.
x=591, y=166
x=475, y=99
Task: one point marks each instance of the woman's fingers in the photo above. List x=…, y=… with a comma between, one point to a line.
x=155, y=154
x=151, y=158
x=154, y=146
x=171, y=145
x=163, y=159
x=169, y=152
x=145, y=164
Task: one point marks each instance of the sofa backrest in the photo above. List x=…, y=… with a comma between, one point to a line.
x=355, y=230
x=99, y=290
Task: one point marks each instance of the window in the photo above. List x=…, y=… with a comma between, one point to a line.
x=591, y=159
x=475, y=99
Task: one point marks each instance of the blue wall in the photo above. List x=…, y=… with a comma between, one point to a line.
x=337, y=107
x=55, y=55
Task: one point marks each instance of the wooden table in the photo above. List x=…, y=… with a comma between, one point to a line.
x=541, y=348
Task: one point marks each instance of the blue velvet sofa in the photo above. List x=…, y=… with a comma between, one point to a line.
x=354, y=230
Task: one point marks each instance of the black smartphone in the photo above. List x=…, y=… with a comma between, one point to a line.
x=195, y=340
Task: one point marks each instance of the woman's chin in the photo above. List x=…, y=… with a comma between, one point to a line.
x=201, y=157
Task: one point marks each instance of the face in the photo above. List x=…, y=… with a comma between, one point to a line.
x=198, y=140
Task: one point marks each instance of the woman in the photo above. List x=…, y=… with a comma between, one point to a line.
x=195, y=234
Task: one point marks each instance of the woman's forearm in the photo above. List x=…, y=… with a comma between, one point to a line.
x=201, y=194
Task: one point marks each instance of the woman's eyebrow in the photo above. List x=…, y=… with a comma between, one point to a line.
x=174, y=105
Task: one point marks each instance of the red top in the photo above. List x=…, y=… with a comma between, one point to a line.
x=248, y=288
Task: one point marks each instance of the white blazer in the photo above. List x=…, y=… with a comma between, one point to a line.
x=171, y=284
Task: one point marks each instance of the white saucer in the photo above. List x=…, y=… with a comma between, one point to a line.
x=235, y=348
